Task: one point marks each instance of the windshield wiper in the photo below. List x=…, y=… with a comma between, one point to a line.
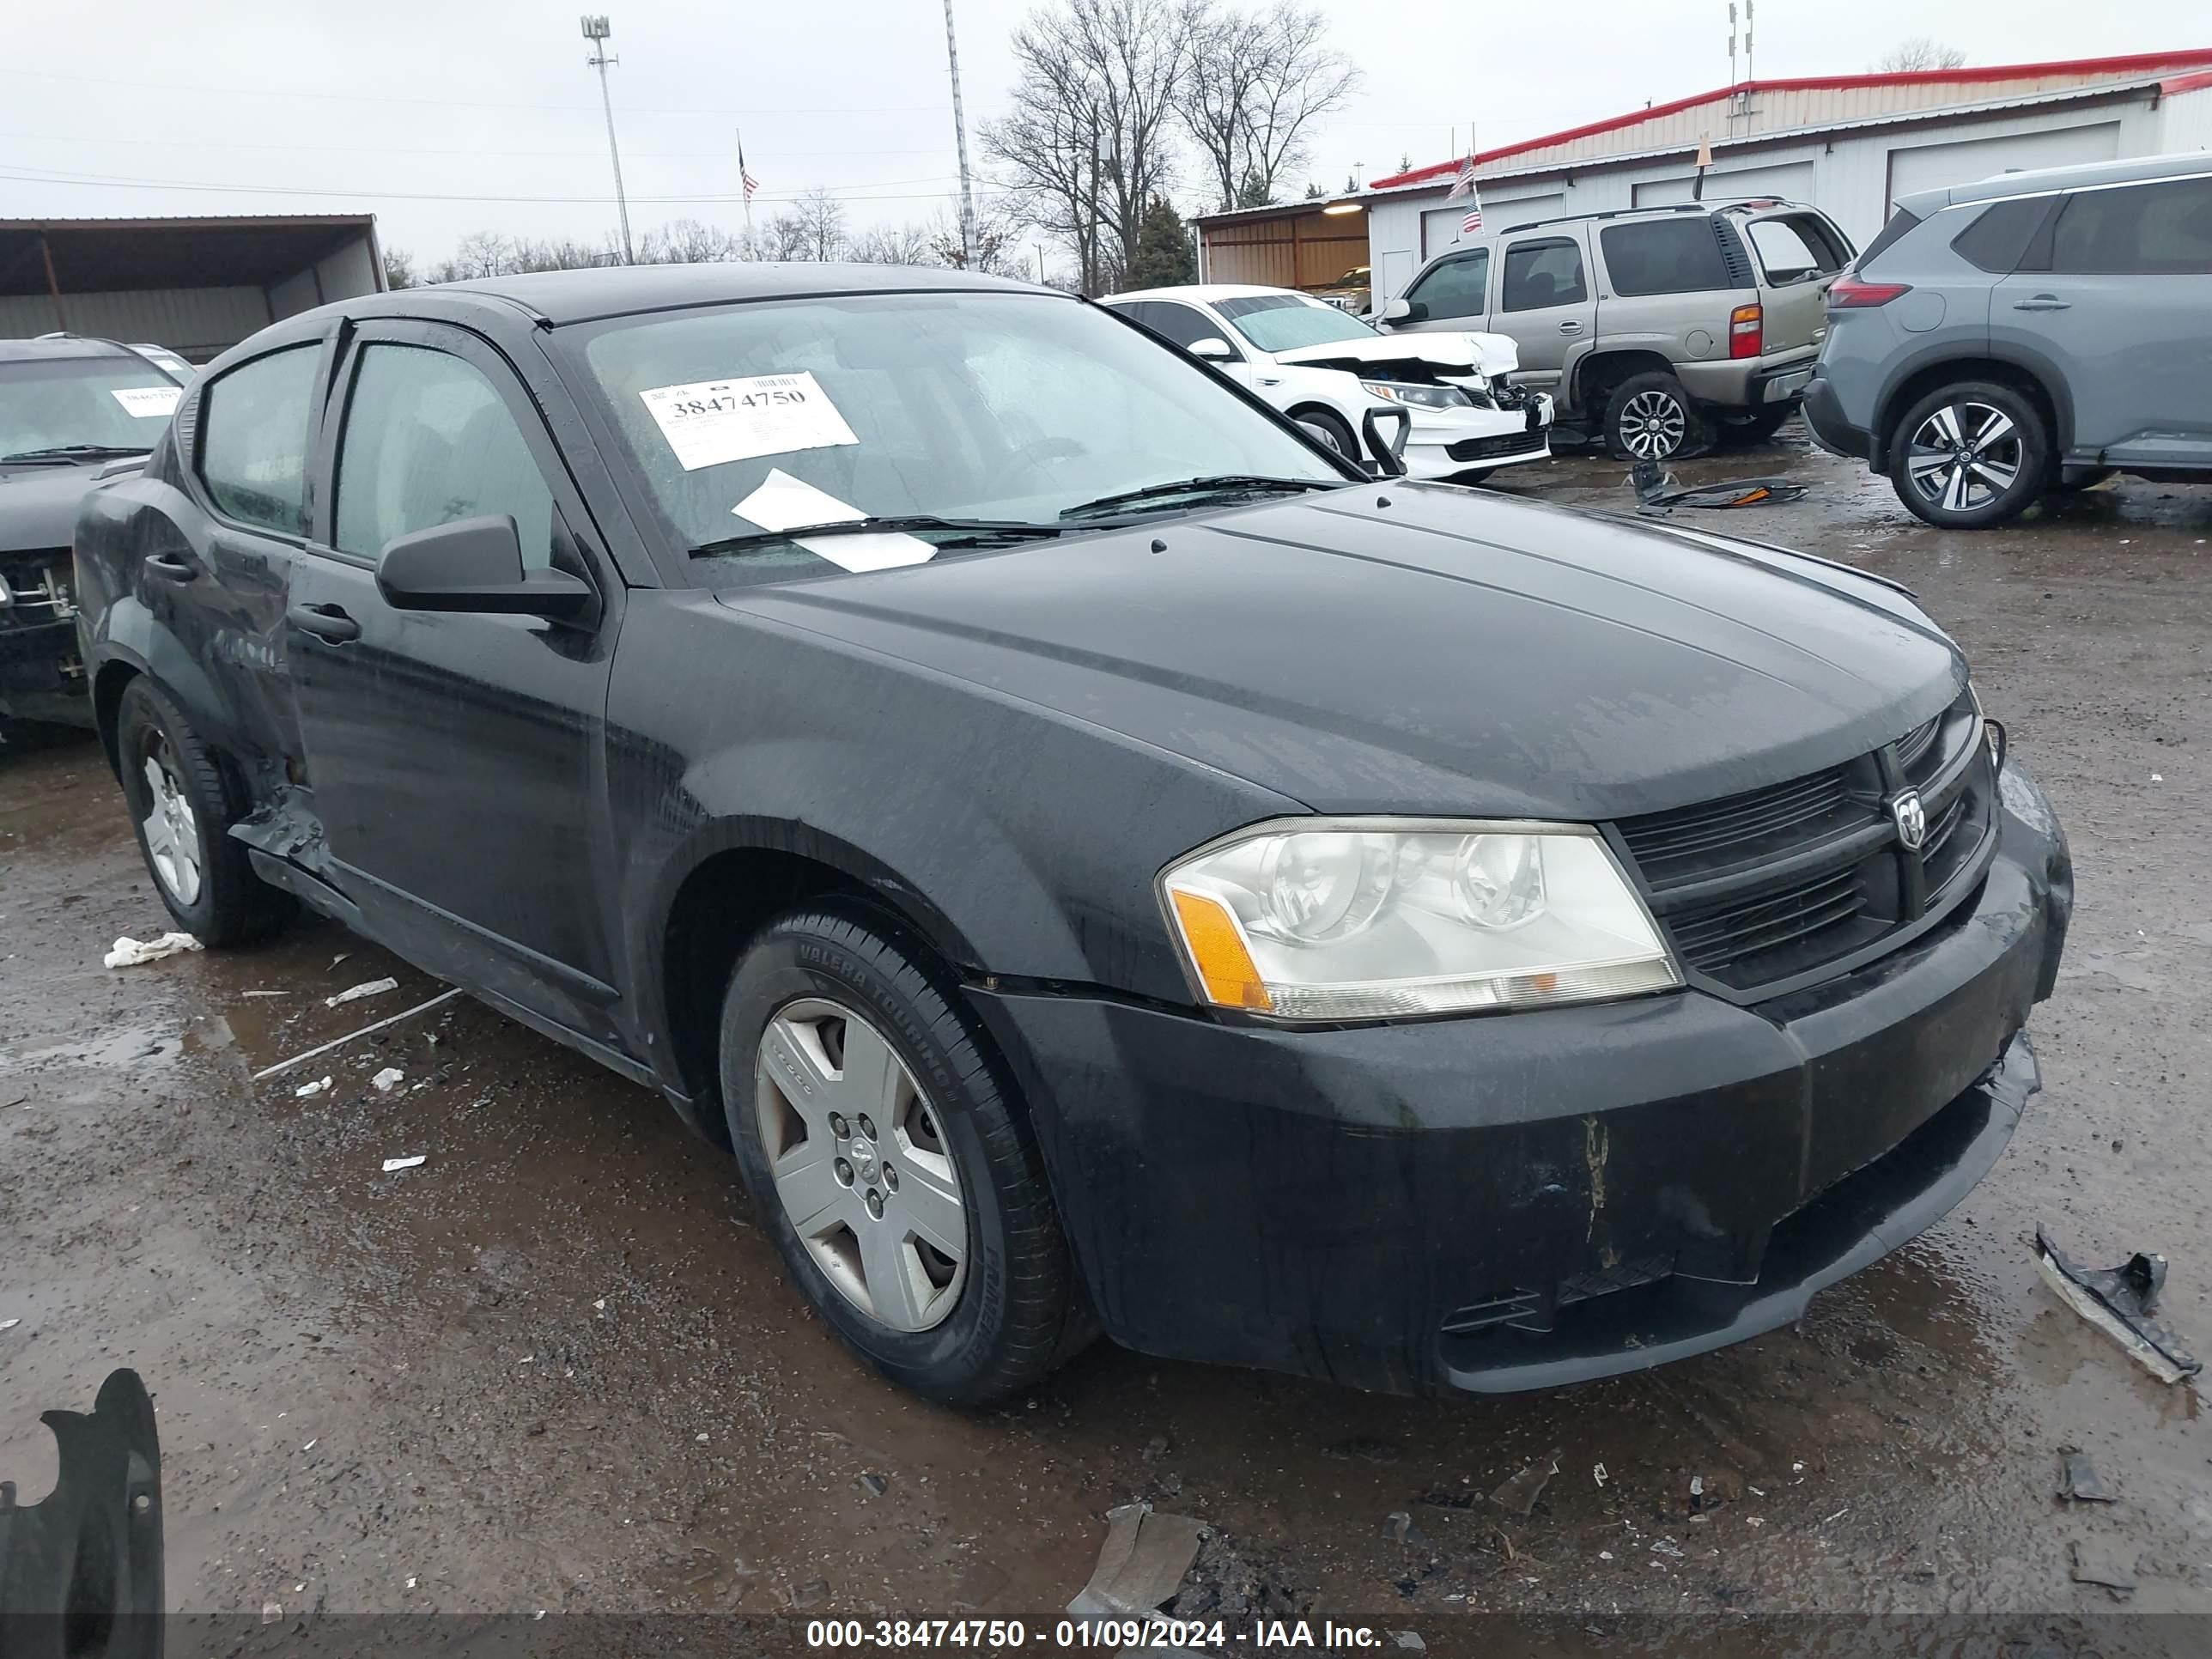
x=1225, y=484
x=73, y=452
x=964, y=532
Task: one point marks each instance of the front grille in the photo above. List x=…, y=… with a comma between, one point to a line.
x=1483, y=449
x=1768, y=889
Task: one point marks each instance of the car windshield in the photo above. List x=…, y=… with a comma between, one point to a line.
x=89, y=404
x=1283, y=322
x=1006, y=407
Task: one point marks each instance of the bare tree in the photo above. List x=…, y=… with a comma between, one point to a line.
x=814, y=228
x=1090, y=141
x=894, y=244
x=998, y=241
x=1920, y=52
x=399, y=267
x=689, y=242
x=1256, y=85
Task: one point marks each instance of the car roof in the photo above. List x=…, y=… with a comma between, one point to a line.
x=1922, y=202
x=1206, y=291
x=48, y=347
x=572, y=296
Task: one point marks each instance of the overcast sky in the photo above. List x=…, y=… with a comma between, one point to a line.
x=466, y=114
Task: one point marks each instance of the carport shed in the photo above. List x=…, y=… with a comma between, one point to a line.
x=196, y=286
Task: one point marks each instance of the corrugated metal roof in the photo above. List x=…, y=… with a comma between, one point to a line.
x=1813, y=101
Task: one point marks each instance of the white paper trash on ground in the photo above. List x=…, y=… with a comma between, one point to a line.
x=374, y=987
x=128, y=952
x=392, y=1164
x=783, y=502
x=388, y=1080
x=314, y=1088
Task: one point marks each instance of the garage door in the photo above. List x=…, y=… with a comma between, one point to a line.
x=1969, y=160
x=1792, y=180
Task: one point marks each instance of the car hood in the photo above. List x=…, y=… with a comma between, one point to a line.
x=1420, y=648
x=1445, y=354
x=38, y=505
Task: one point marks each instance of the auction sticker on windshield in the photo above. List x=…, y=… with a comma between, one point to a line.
x=146, y=401
x=711, y=422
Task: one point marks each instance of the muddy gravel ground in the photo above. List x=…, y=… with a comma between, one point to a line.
x=557, y=1366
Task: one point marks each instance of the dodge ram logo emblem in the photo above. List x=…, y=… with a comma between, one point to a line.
x=1911, y=819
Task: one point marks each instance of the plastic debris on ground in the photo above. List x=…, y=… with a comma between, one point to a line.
x=2079, y=1481
x=2119, y=1302
x=128, y=952
x=1656, y=490
x=314, y=1088
x=10, y=1324
x=1520, y=1493
x=1140, y=1566
x=392, y=1164
x=372, y=987
x=388, y=1080
x=2095, y=1565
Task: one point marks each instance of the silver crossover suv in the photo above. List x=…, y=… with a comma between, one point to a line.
x=2034, y=331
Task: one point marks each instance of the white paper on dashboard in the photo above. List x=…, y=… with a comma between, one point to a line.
x=146, y=402
x=783, y=502
x=707, y=423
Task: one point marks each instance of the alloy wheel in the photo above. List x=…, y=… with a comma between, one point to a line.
x=1653, y=425
x=861, y=1165
x=1964, y=456
x=172, y=829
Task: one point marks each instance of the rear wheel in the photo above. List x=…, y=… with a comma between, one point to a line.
x=182, y=811
x=890, y=1163
x=1649, y=417
x=1970, y=455
x=1330, y=431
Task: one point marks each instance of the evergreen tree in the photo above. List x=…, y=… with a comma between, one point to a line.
x=1163, y=256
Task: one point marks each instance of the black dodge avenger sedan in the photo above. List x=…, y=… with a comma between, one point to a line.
x=1099, y=862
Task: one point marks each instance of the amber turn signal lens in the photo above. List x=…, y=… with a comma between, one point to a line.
x=1218, y=951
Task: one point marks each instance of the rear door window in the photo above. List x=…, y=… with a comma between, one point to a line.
x=2136, y=230
x=427, y=441
x=1796, y=247
x=1456, y=287
x=1182, y=325
x=253, y=440
x=1664, y=256
x=1546, y=272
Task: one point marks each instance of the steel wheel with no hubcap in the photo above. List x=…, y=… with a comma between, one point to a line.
x=1964, y=456
x=1653, y=425
x=171, y=831
x=860, y=1165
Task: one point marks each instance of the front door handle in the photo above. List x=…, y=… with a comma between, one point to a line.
x=325, y=622
x=2042, y=302
x=173, y=567
x=1570, y=328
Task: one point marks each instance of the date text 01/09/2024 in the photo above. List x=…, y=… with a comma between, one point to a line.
x=1110, y=1635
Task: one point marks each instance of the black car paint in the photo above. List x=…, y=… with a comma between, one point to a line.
x=1002, y=748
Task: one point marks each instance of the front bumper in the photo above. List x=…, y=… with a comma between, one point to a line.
x=1528, y=1200
x=1462, y=440
x=41, y=678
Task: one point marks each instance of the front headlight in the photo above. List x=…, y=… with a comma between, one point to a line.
x=1329, y=919
x=1426, y=397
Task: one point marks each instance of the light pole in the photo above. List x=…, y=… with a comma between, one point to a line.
x=596, y=31
x=960, y=136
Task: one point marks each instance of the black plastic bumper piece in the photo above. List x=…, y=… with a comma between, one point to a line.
x=1528, y=1200
x=1824, y=415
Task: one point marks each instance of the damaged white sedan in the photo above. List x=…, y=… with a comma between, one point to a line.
x=1325, y=369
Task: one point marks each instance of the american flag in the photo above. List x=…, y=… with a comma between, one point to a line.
x=1464, y=184
x=750, y=183
x=1473, y=222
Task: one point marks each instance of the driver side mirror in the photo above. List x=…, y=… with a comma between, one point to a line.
x=476, y=565
x=1214, y=349
x=1405, y=310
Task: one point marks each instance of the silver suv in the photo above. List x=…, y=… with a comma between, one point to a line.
x=1653, y=325
x=2035, y=331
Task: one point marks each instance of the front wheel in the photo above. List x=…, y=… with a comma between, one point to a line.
x=1969, y=456
x=890, y=1163
x=182, y=812
x=1649, y=417
x=1331, y=432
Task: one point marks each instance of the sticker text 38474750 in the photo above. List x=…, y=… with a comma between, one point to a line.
x=708, y=422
